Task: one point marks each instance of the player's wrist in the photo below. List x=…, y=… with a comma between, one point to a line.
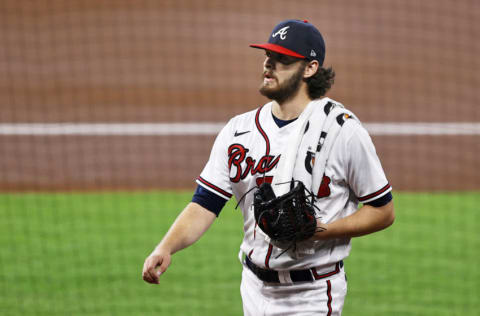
x=321, y=232
x=162, y=249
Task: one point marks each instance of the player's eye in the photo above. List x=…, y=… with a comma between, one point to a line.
x=286, y=60
x=281, y=58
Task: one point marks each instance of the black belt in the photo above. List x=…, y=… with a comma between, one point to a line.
x=308, y=275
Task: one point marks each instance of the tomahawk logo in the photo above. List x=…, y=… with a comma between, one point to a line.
x=282, y=32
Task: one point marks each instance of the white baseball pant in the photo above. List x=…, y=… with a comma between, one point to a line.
x=321, y=297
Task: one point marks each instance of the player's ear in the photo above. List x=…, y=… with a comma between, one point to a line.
x=311, y=68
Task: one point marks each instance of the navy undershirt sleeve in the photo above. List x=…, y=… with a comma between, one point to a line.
x=384, y=200
x=209, y=200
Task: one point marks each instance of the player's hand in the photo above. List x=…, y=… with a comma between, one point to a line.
x=155, y=265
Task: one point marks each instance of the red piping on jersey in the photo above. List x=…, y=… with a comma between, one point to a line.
x=269, y=254
x=214, y=187
x=267, y=153
x=368, y=197
x=329, y=295
x=250, y=254
x=257, y=122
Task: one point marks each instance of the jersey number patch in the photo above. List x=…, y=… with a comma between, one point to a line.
x=265, y=179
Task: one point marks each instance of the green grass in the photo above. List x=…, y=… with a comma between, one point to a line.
x=82, y=254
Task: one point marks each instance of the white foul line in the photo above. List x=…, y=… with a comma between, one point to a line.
x=212, y=128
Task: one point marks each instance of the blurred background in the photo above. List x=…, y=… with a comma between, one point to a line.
x=109, y=109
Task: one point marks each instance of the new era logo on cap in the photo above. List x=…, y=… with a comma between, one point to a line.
x=296, y=38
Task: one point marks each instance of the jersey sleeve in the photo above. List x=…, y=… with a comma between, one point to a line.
x=215, y=175
x=364, y=171
x=209, y=200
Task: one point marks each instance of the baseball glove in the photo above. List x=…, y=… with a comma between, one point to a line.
x=286, y=219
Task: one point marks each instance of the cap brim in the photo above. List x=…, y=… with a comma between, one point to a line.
x=277, y=49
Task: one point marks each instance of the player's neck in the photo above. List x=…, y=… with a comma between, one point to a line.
x=291, y=108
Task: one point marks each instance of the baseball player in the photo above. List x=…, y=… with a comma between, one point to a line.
x=300, y=136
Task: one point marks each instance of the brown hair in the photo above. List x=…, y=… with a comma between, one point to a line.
x=320, y=82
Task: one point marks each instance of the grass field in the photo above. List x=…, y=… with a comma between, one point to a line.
x=82, y=254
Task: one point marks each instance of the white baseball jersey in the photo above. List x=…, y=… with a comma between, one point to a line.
x=248, y=151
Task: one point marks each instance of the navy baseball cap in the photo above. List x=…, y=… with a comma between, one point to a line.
x=296, y=38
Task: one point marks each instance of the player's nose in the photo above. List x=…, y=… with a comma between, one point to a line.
x=269, y=63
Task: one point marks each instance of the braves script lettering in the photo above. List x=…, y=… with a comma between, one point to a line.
x=237, y=155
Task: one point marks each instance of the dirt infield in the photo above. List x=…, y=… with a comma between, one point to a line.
x=189, y=61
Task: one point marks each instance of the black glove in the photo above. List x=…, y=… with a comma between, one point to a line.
x=286, y=219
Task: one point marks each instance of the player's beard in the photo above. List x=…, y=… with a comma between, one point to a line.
x=286, y=90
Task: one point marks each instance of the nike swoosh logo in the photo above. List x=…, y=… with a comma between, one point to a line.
x=241, y=133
